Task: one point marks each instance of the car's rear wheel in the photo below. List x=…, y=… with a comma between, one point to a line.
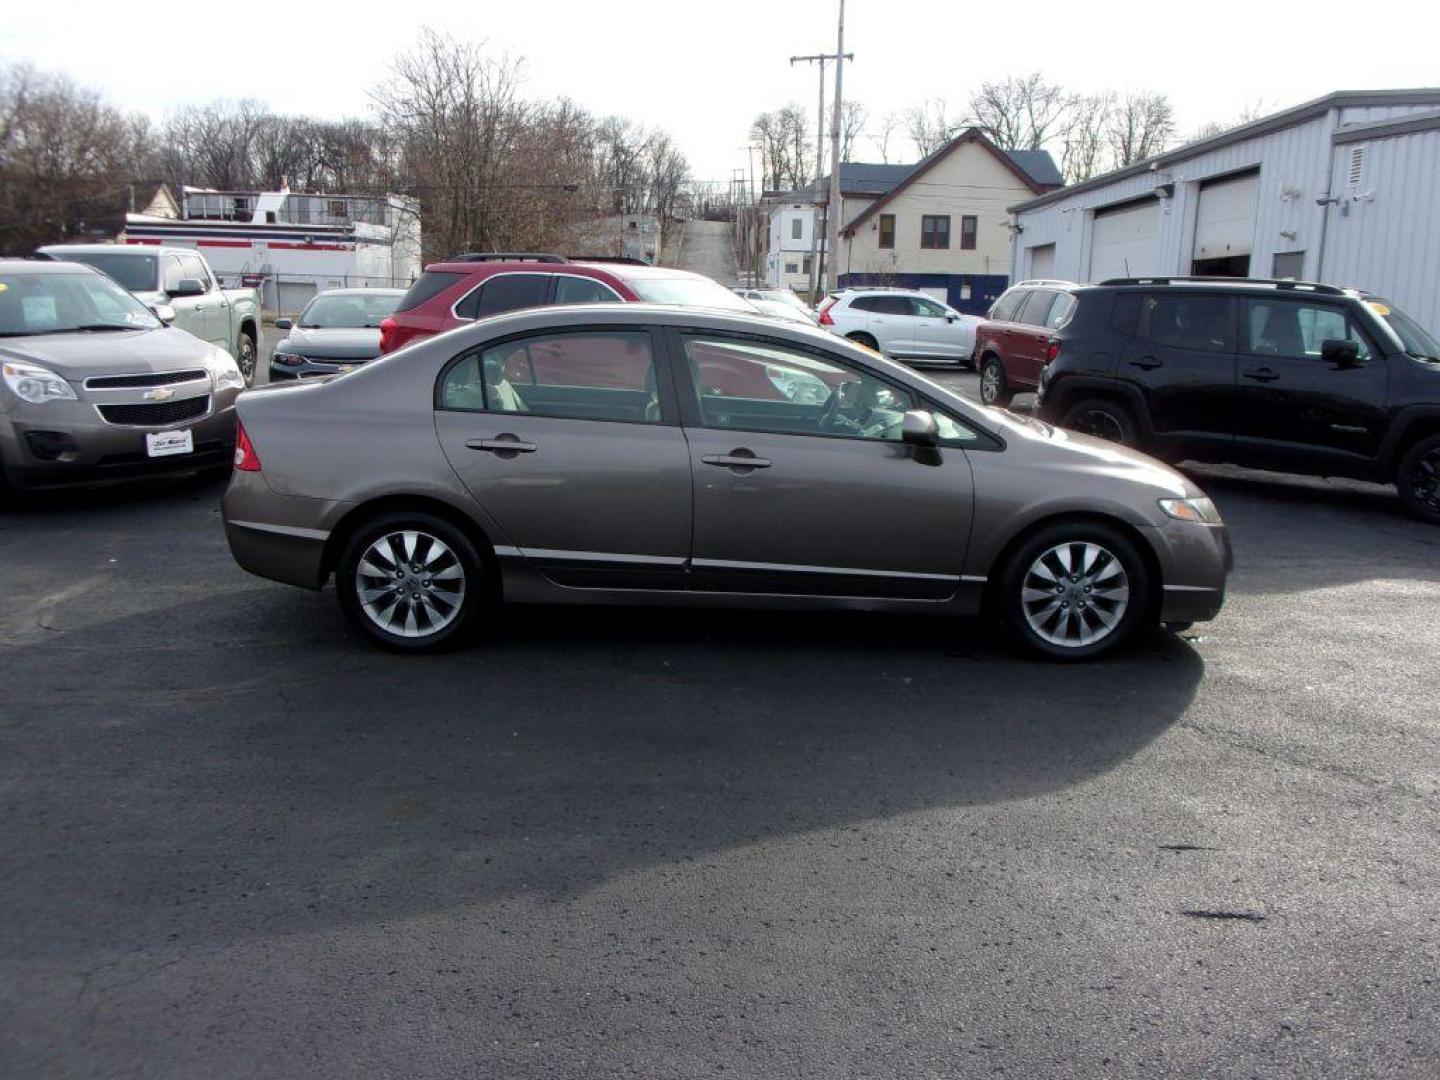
x=866, y=340
x=1074, y=590
x=994, y=387
x=245, y=357
x=1103, y=419
x=411, y=582
x=1418, y=480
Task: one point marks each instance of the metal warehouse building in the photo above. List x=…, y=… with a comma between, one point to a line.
x=1344, y=189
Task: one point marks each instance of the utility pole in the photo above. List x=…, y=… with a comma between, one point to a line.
x=832, y=231
x=752, y=250
x=819, y=255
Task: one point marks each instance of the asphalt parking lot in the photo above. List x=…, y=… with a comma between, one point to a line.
x=238, y=842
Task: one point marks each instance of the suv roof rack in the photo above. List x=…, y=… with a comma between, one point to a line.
x=507, y=256
x=1032, y=282
x=628, y=260
x=1275, y=283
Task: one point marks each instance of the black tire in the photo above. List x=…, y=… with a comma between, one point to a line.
x=994, y=387
x=1418, y=480
x=245, y=353
x=369, y=621
x=865, y=340
x=1103, y=418
x=1095, y=593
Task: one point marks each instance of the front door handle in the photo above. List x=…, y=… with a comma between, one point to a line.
x=1263, y=374
x=1148, y=363
x=504, y=444
x=738, y=459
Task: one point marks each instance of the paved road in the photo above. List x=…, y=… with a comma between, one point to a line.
x=239, y=843
x=708, y=250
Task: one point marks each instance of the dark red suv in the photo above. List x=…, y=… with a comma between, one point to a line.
x=1016, y=340
x=469, y=287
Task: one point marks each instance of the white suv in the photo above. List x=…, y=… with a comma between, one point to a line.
x=901, y=323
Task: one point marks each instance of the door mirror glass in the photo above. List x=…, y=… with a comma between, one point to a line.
x=918, y=428
x=1340, y=352
x=188, y=286
x=284, y=324
x=164, y=312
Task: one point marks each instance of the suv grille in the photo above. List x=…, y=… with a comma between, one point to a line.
x=156, y=414
x=156, y=378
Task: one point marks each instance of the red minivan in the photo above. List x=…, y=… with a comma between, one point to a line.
x=1017, y=339
x=469, y=287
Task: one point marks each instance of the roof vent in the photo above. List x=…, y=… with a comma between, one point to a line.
x=1359, y=159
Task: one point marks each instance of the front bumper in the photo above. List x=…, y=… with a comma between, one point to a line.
x=66, y=443
x=1195, y=561
x=309, y=368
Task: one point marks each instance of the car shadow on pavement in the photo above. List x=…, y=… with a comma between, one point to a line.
x=256, y=767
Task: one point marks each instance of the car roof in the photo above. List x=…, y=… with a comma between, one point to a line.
x=54, y=250
x=623, y=271
x=1272, y=285
x=43, y=266
x=359, y=291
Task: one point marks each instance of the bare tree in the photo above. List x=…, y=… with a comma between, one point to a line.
x=786, y=148
x=1022, y=112
x=930, y=126
x=1083, y=151
x=883, y=133
x=1140, y=126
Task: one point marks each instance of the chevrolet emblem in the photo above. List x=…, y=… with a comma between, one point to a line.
x=160, y=393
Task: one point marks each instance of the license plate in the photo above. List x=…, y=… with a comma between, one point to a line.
x=166, y=443
x=343, y=368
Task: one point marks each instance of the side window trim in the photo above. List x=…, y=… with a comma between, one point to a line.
x=1244, y=337
x=549, y=291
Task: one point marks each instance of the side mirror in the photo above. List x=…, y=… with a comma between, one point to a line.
x=164, y=312
x=284, y=324
x=918, y=428
x=188, y=286
x=951, y=317
x=1341, y=352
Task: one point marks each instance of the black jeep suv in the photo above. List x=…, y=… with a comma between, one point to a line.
x=1283, y=375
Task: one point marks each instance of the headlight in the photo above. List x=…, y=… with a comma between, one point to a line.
x=35, y=384
x=227, y=372
x=1201, y=510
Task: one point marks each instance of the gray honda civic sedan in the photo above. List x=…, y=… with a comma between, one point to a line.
x=637, y=454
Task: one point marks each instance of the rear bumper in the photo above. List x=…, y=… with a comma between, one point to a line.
x=278, y=536
x=1195, y=561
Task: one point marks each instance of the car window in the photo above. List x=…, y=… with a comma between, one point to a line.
x=429, y=284
x=1006, y=307
x=1037, y=308
x=191, y=266
x=52, y=303
x=173, y=273
x=864, y=303
x=1297, y=330
x=928, y=308
x=580, y=290
x=894, y=305
x=1188, y=322
x=754, y=385
x=136, y=272
x=1059, y=311
x=1125, y=315
x=592, y=375
x=504, y=292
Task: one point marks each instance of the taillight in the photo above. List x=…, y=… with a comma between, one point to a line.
x=824, y=318
x=387, y=333
x=1052, y=351
x=246, y=460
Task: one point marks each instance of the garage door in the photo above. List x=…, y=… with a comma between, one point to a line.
x=1126, y=241
x=1225, y=223
x=1042, y=261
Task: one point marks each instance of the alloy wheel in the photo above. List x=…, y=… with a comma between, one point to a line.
x=990, y=383
x=1075, y=594
x=246, y=360
x=1425, y=481
x=410, y=583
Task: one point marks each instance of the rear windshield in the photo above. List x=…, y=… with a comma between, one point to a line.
x=430, y=283
x=1417, y=341
x=137, y=273
x=689, y=291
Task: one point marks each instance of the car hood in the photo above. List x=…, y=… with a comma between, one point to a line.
x=1086, y=456
x=113, y=352
x=356, y=343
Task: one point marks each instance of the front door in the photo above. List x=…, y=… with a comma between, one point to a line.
x=801, y=482
x=895, y=326
x=563, y=441
x=1291, y=402
x=1183, y=359
x=939, y=336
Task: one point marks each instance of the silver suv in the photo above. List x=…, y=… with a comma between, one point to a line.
x=901, y=324
x=647, y=454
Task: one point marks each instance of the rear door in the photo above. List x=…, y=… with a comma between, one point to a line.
x=1290, y=402
x=570, y=442
x=1183, y=359
x=1029, y=338
x=801, y=482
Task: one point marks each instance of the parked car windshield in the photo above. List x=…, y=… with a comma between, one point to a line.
x=333, y=311
x=1416, y=340
x=692, y=292
x=138, y=273
x=60, y=303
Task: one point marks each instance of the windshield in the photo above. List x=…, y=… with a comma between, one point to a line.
x=1415, y=339
x=138, y=273
x=690, y=291
x=332, y=311
x=59, y=303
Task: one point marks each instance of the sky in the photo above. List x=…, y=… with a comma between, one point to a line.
x=703, y=71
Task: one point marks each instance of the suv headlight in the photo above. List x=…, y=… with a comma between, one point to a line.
x=226, y=372
x=1200, y=510
x=35, y=384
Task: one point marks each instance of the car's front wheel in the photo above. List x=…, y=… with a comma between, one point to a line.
x=994, y=388
x=1074, y=590
x=245, y=357
x=1418, y=480
x=410, y=582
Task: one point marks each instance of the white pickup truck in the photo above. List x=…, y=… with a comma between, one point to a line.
x=181, y=279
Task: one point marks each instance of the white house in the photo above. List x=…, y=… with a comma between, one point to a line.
x=941, y=225
x=1344, y=189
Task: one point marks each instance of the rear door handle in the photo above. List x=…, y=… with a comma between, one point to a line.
x=1147, y=363
x=1263, y=374
x=737, y=460
x=505, y=444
